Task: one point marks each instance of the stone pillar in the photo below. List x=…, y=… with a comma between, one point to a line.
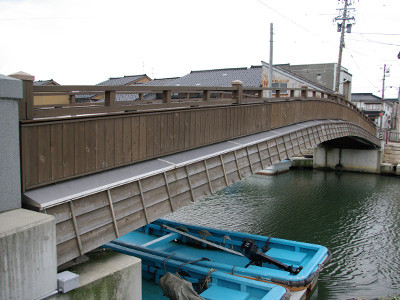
x=10, y=178
x=28, y=263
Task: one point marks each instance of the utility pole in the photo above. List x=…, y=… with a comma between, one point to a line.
x=341, y=27
x=271, y=52
x=383, y=96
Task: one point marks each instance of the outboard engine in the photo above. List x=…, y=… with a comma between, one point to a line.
x=250, y=249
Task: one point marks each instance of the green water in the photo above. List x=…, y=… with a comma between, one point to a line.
x=357, y=216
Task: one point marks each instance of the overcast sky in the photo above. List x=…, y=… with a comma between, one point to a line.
x=86, y=42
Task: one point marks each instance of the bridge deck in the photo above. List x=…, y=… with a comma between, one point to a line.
x=98, y=208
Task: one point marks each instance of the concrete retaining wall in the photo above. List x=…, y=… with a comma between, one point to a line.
x=107, y=275
x=28, y=264
x=368, y=161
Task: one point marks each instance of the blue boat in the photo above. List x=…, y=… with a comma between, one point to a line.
x=293, y=265
x=211, y=284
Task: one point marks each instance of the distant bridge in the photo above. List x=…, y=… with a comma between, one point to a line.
x=118, y=165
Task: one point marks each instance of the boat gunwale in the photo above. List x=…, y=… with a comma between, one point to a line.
x=219, y=275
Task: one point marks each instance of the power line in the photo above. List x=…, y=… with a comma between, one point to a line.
x=376, y=33
x=294, y=22
x=376, y=42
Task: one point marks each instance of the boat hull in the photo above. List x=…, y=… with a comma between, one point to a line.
x=209, y=283
x=155, y=238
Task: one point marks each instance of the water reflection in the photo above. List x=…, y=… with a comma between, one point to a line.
x=355, y=215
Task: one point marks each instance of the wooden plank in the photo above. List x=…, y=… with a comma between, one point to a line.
x=208, y=176
x=79, y=151
x=158, y=210
x=94, y=239
x=119, y=138
x=181, y=144
x=113, y=213
x=90, y=146
x=27, y=160
x=56, y=142
x=163, y=134
x=189, y=183
x=76, y=228
x=65, y=231
x=176, y=131
x=143, y=202
x=168, y=191
x=100, y=145
x=192, y=129
x=127, y=140
x=181, y=199
x=125, y=191
x=155, y=195
x=67, y=251
x=131, y=222
x=143, y=137
x=237, y=165
x=135, y=138
x=110, y=142
x=44, y=154
x=187, y=129
x=223, y=169
x=157, y=134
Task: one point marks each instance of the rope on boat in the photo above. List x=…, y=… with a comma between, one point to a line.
x=233, y=270
x=203, y=283
x=165, y=260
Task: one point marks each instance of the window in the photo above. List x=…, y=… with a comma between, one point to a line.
x=282, y=86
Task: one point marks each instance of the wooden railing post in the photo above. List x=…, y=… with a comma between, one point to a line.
x=304, y=91
x=206, y=95
x=237, y=93
x=166, y=96
x=109, y=99
x=72, y=99
x=26, y=104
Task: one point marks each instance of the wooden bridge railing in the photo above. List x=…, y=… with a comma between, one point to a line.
x=64, y=141
x=155, y=98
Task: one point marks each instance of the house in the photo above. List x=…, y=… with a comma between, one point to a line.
x=283, y=78
x=116, y=81
x=376, y=109
x=324, y=75
x=45, y=82
x=49, y=100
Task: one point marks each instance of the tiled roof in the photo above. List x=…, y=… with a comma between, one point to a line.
x=126, y=80
x=45, y=82
x=251, y=77
x=162, y=82
x=365, y=97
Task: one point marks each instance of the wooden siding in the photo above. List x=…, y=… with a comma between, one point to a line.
x=88, y=222
x=62, y=149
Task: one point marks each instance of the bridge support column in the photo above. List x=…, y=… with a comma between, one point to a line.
x=367, y=161
x=28, y=265
x=10, y=179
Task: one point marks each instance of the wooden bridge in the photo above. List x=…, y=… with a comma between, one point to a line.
x=106, y=168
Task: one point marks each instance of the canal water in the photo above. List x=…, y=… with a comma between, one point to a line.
x=356, y=216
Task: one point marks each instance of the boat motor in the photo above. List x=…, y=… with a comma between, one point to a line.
x=250, y=249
